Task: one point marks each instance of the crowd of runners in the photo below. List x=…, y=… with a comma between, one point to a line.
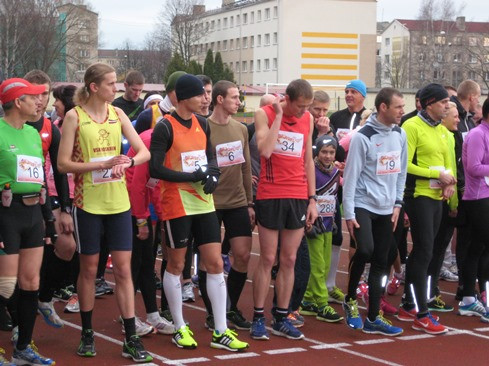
x=112, y=183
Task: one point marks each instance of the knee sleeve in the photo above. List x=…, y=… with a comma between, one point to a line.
x=7, y=286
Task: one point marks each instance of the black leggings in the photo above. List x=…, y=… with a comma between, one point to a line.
x=425, y=215
x=374, y=242
x=400, y=237
x=142, y=266
x=478, y=213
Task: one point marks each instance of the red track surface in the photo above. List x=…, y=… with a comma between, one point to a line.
x=325, y=344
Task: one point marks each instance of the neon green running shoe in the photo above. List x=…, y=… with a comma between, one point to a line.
x=336, y=295
x=183, y=338
x=228, y=341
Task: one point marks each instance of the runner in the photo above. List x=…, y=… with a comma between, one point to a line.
x=375, y=174
x=180, y=144
x=90, y=148
x=21, y=215
x=130, y=103
x=285, y=201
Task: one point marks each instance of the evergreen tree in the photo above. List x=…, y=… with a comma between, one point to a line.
x=209, y=66
x=194, y=68
x=176, y=64
x=218, y=67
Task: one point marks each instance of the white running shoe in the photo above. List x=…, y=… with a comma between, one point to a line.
x=162, y=326
x=142, y=328
x=73, y=305
x=446, y=275
x=46, y=309
x=188, y=292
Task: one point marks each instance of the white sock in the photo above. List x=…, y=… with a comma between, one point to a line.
x=216, y=290
x=173, y=292
x=467, y=300
x=153, y=317
x=335, y=259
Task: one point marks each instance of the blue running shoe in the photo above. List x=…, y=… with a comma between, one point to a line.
x=285, y=329
x=474, y=309
x=29, y=356
x=353, y=319
x=381, y=326
x=258, y=330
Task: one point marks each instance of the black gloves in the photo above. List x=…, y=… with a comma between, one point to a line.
x=51, y=231
x=210, y=184
x=209, y=176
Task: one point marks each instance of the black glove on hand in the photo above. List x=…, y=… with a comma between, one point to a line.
x=210, y=184
x=51, y=231
x=200, y=174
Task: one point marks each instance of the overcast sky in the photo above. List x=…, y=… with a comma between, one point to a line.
x=121, y=20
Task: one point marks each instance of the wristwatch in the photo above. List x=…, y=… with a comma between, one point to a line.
x=314, y=197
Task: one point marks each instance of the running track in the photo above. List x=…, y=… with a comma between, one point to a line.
x=325, y=344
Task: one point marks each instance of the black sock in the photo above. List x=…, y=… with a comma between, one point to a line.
x=86, y=318
x=129, y=327
x=27, y=310
x=236, y=282
x=422, y=315
x=203, y=290
x=258, y=313
x=50, y=274
x=280, y=314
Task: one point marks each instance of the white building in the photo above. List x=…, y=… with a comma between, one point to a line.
x=276, y=41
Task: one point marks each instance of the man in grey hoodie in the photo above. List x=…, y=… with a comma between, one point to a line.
x=374, y=178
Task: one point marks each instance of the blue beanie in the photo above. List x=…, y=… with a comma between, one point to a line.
x=358, y=85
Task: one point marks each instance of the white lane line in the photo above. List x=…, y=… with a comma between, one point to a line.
x=374, y=341
x=146, y=364
x=469, y=332
x=482, y=329
x=185, y=361
x=371, y=358
x=415, y=337
x=237, y=355
x=284, y=350
x=113, y=340
x=331, y=345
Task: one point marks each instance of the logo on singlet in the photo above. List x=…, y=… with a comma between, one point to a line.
x=103, y=137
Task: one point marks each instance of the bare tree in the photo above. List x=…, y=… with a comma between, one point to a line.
x=396, y=70
x=477, y=50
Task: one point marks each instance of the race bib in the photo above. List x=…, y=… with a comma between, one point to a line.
x=435, y=183
x=230, y=153
x=388, y=162
x=152, y=183
x=192, y=160
x=326, y=205
x=29, y=169
x=289, y=143
x=342, y=132
x=101, y=176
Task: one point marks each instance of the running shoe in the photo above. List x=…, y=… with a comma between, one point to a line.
x=182, y=338
x=102, y=287
x=446, y=275
x=429, y=325
x=236, y=318
x=188, y=292
x=296, y=319
x=228, y=341
x=328, y=314
x=258, y=330
x=336, y=295
x=284, y=328
x=161, y=325
x=437, y=304
x=474, y=309
x=209, y=322
x=15, y=337
x=409, y=315
x=166, y=314
x=3, y=360
x=63, y=294
x=381, y=326
x=46, y=309
x=134, y=349
x=393, y=286
x=308, y=308
x=87, y=344
x=353, y=319
x=73, y=305
x=387, y=308
x=29, y=356
x=226, y=263
x=362, y=292
x=142, y=328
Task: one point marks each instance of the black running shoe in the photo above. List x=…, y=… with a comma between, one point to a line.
x=87, y=344
x=134, y=349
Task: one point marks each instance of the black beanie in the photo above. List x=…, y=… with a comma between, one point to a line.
x=188, y=86
x=324, y=140
x=432, y=93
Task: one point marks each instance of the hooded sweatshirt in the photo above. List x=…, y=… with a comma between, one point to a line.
x=375, y=171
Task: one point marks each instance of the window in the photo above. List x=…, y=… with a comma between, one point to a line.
x=231, y=22
x=472, y=41
x=473, y=59
x=486, y=42
x=387, y=75
x=238, y=20
x=275, y=12
x=84, y=38
x=274, y=63
x=212, y=46
x=218, y=45
x=213, y=23
x=225, y=45
x=237, y=66
x=486, y=59
x=423, y=40
x=258, y=65
x=456, y=77
x=251, y=66
x=258, y=41
x=387, y=59
x=231, y=66
x=421, y=56
x=457, y=57
x=421, y=75
x=231, y=44
x=201, y=48
x=472, y=75
x=258, y=14
x=267, y=14
x=245, y=42
x=486, y=76
x=244, y=66
x=238, y=43
x=439, y=57
x=252, y=17
x=225, y=23
x=440, y=40
x=387, y=42
x=267, y=39
x=457, y=41
x=437, y=74
x=82, y=24
x=219, y=24
x=266, y=67
x=275, y=38
x=252, y=41
x=245, y=18
x=84, y=53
